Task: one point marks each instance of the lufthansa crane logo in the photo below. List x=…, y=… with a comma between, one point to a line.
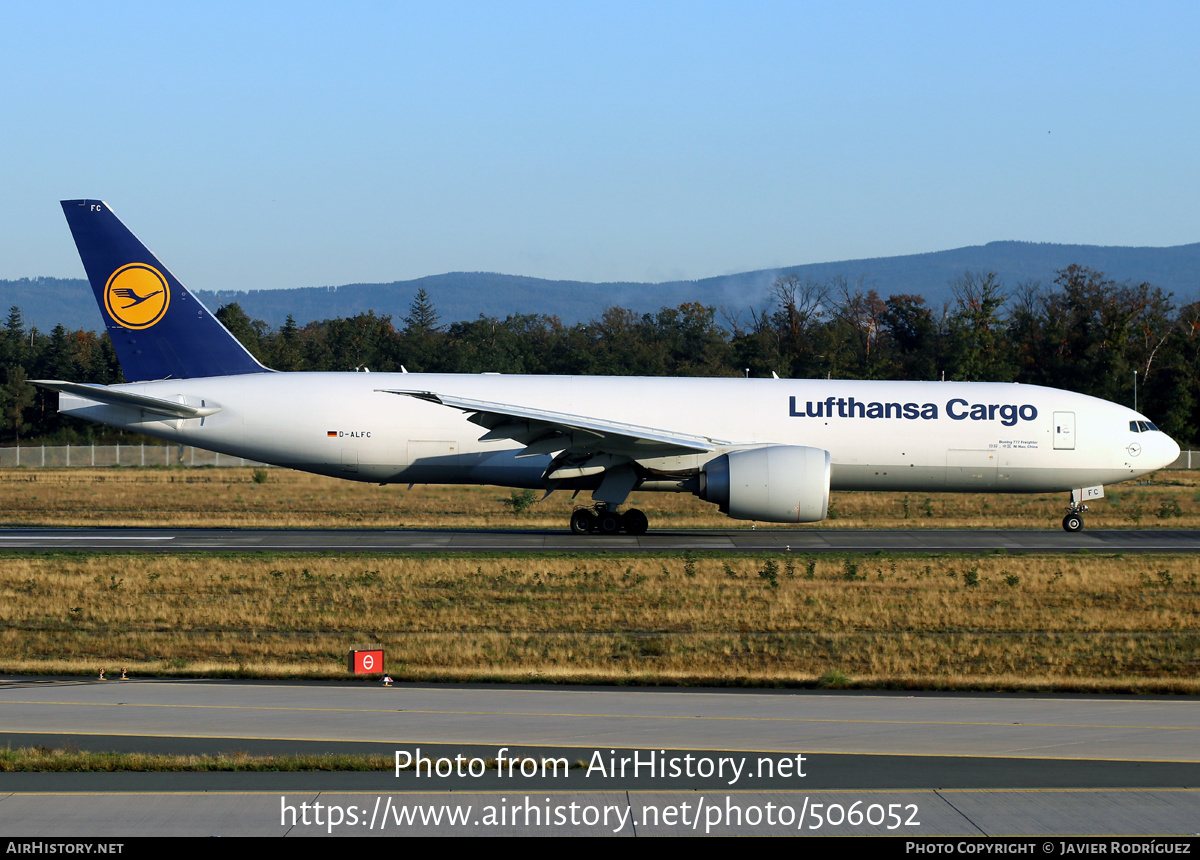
x=137, y=296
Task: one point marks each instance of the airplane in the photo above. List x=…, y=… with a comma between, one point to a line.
x=767, y=450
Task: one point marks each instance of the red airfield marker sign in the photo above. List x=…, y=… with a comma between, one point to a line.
x=366, y=662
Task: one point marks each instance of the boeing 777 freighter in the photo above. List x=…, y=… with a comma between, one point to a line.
x=769, y=450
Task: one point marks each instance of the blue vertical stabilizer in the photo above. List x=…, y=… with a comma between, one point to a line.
x=158, y=329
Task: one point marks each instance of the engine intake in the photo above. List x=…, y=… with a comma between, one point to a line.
x=773, y=484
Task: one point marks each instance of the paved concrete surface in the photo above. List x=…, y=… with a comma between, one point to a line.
x=966, y=765
x=748, y=540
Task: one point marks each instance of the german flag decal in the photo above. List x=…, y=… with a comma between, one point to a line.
x=331, y=433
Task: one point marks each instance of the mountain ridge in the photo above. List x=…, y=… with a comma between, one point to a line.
x=46, y=302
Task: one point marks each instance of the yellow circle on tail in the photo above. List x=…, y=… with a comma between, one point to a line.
x=137, y=296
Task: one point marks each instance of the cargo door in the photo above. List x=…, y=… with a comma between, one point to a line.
x=1064, y=431
x=971, y=469
x=433, y=460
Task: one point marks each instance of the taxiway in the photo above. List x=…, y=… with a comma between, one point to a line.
x=969, y=764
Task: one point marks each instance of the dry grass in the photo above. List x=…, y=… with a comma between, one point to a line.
x=69, y=759
x=992, y=622
x=230, y=497
x=47, y=760
x=996, y=622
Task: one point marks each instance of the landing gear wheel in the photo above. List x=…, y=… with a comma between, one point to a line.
x=634, y=522
x=610, y=522
x=582, y=522
x=1072, y=523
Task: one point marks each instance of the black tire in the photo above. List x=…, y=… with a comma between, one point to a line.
x=634, y=522
x=610, y=523
x=582, y=522
x=1072, y=523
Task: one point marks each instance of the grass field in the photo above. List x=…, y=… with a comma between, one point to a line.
x=70, y=760
x=985, y=622
x=287, y=499
x=67, y=759
x=1079, y=622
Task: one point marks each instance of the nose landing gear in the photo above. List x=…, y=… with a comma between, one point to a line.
x=1073, y=521
x=608, y=522
x=1077, y=509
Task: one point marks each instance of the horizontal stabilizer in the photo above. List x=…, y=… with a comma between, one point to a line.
x=116, y=397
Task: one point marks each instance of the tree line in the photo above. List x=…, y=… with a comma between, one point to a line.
x=1084, y=332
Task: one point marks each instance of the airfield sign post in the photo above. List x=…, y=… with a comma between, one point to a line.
x=366, y=662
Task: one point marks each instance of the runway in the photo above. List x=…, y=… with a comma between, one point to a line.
x=942, y=764
x=498, y=540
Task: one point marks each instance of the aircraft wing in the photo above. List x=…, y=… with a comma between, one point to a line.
x=542, y=431
x=116, y=397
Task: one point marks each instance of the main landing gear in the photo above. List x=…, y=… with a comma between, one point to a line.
x=608, y=522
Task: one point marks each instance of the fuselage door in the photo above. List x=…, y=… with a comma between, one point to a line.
x=1064, y=431
x=432, y=461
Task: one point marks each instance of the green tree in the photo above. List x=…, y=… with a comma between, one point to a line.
x=248, y=332
x=422, y=316
x=363, y=340
x=420, y=349
x=976, y=347
x=285, y=349
x=13, y=348
x=687, y=340
x=16, y=395
x=914, y=335
x=1098, y=332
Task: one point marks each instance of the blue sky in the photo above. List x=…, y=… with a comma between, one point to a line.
x=295, y=144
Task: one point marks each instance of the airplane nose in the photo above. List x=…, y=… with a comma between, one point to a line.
x=1170, y=450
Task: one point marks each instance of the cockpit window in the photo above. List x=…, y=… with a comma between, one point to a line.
x=1141, y=427
x=1134, y=428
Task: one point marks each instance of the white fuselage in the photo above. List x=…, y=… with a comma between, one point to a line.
x=918, y=436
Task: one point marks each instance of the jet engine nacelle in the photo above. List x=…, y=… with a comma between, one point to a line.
x=774, y=484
